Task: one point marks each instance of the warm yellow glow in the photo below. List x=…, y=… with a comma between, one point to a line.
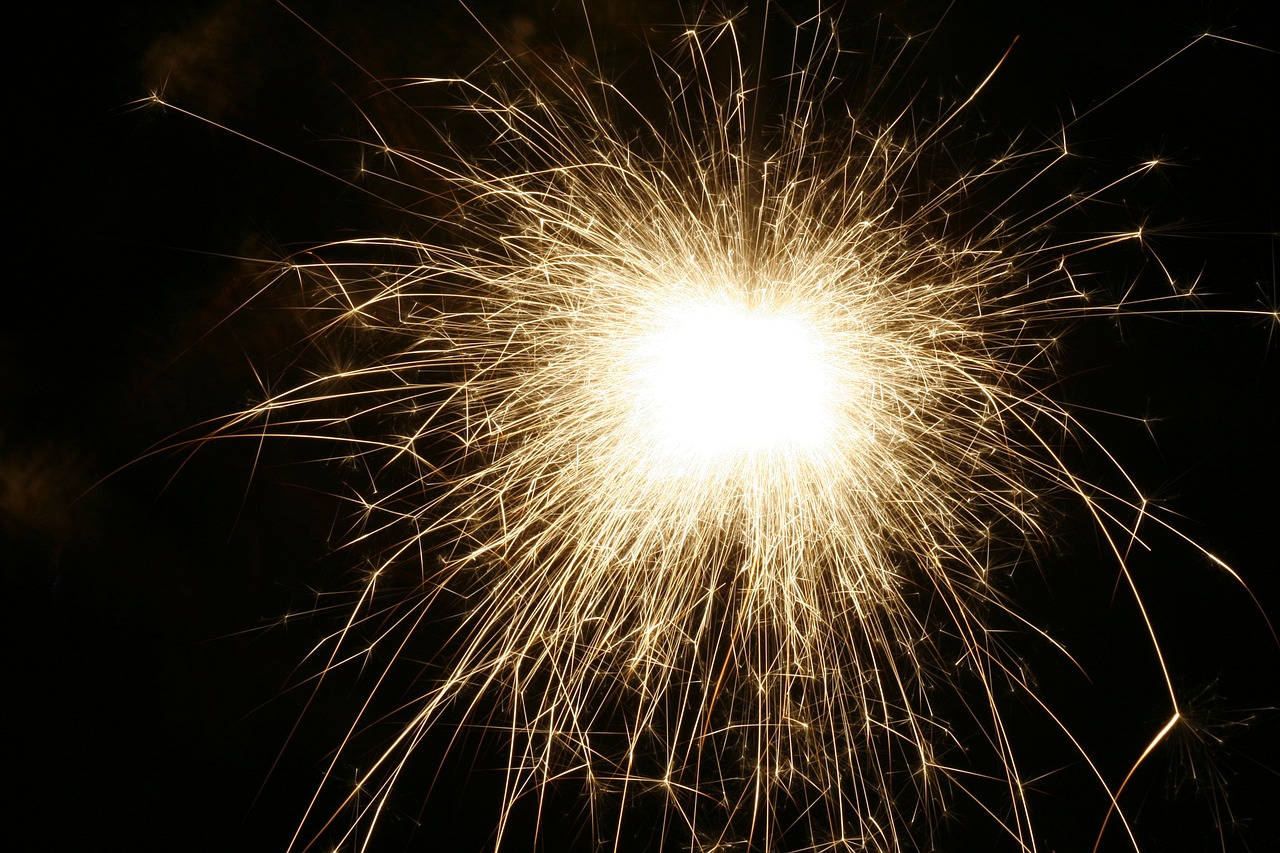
x=717, y=454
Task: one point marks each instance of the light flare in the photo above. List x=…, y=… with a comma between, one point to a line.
x=719, y=379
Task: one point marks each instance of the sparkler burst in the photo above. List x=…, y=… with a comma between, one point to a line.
x=718, y=433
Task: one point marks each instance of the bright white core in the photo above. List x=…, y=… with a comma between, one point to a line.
x=722, y=378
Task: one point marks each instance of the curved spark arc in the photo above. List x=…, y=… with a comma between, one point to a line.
x=781, y=614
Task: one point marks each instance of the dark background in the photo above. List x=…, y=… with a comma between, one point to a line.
x=160, y=605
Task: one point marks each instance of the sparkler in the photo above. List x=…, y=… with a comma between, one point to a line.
x=718, y=441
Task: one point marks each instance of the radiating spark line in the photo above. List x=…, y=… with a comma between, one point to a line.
x=728, y=443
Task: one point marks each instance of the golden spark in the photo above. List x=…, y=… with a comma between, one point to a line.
x=721, y=440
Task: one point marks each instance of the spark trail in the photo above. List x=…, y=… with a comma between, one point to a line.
x=721, y=441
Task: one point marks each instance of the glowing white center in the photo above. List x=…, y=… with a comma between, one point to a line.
x=723, y=378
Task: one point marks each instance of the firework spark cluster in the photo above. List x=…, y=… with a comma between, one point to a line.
x=715, y=432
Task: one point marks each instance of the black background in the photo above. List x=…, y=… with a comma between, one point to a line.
x=150, y=661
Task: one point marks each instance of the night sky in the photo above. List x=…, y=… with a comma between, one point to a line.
x=157, y=690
